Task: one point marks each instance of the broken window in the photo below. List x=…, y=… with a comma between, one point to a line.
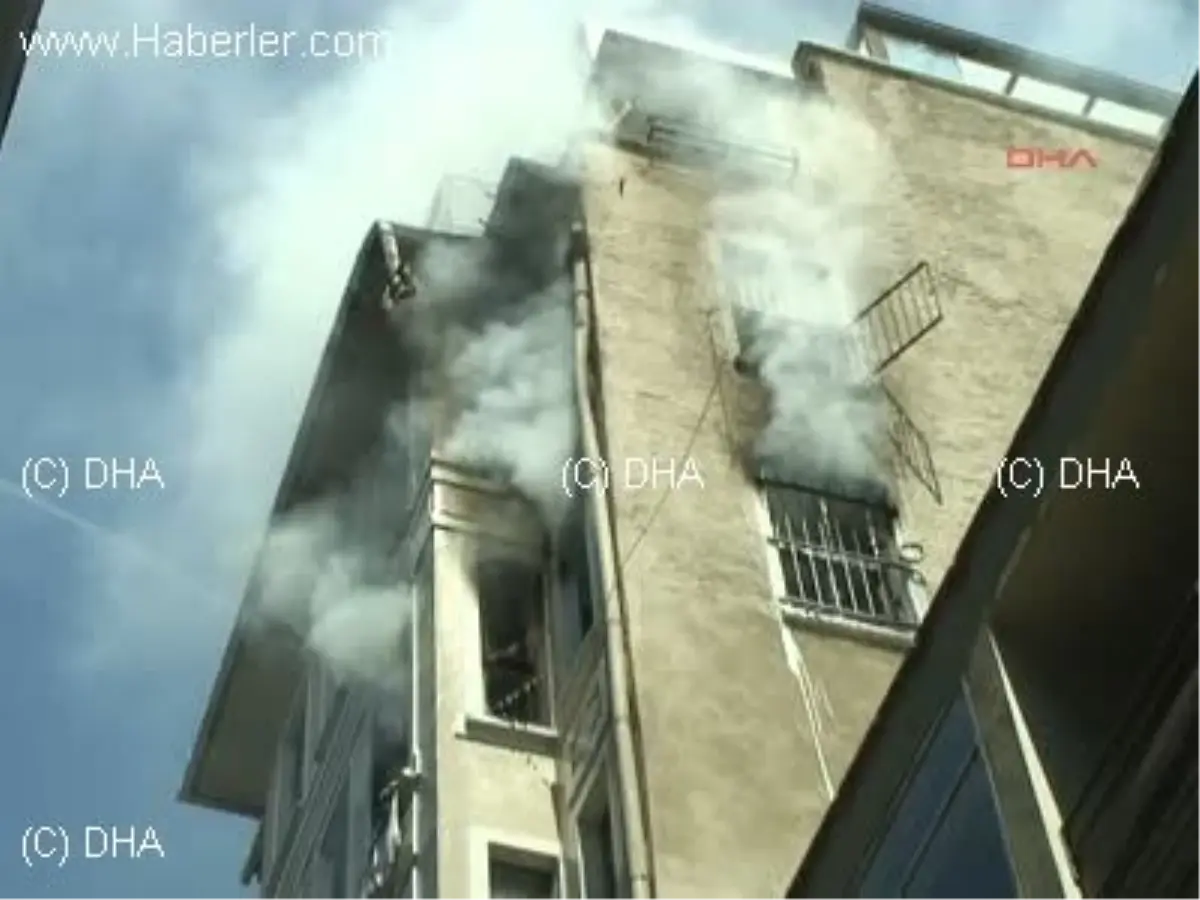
x=513, y=638
x=838, y=556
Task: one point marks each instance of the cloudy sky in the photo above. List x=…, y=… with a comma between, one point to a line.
x=174, y=236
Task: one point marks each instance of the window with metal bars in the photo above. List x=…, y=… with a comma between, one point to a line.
x=838, y=556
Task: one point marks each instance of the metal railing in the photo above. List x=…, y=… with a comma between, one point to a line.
x=839, y=557
x=391, y=858
x=691, y=144
x=911, y=445
x=899, y=317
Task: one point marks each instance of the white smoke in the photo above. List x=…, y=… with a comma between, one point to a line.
x=520, y=415
x=497, y=343
x=794, y=258
x=803, y=256
x=282, y=191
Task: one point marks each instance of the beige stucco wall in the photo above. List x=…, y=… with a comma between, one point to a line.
x=487, y=791
x=734, y=782
x=1014, y=251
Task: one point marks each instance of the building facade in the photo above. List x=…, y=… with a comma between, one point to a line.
x=830, y=298
x=1042, y=739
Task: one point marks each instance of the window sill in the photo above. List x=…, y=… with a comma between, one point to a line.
x=888, y=637
x=509, y=735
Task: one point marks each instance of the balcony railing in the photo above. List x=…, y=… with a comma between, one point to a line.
x=392, y=854
x=693, y=145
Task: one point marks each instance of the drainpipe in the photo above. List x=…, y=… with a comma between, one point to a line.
x=629, y=772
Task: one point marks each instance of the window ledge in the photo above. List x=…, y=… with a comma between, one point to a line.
x=888, y=637
x=510, y=735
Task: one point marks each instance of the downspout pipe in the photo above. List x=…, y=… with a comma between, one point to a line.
x=629, y=779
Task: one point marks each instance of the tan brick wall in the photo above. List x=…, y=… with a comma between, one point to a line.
x=734, y=787
x=1014, y=250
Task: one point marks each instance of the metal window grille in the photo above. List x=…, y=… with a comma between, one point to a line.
x=838, y=556
x=900, y=316
x=692, y=144
x=911, y=445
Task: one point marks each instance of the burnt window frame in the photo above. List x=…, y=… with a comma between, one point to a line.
x=538, y=687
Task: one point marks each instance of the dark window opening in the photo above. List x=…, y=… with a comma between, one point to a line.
x=388, y=767
x=838, y=556
x=333, y=879
x=576, y=579
x=525, y=879
x=511, y=595
x=598, y=854
x=296, y=752
x=944, y=836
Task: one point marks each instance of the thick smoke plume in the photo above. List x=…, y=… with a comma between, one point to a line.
x=332, y=573
x=793, y=255
x=520, y=417
x=489, y=339
x=797, y=258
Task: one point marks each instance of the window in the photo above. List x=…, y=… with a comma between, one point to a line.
x=291, y=775
x=763, y=279
x=513, y=639
x=329, y=872
x=326, y=700
x=837, y=556
x=576, y=582
x=508, y=880
x=598, y=849
x=945, y=837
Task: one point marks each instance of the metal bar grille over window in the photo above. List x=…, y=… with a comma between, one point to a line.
x=911, y=445
x=838, y=557
x=690, y=144
x=900, y=316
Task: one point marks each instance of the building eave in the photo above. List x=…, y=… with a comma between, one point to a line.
x=259, y=669
x=18, y=20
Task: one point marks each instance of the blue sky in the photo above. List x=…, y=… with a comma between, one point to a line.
x=174, y=235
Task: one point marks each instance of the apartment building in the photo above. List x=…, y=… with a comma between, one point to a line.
x=18, y=20
x=834, y=295
x=1041, y=740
